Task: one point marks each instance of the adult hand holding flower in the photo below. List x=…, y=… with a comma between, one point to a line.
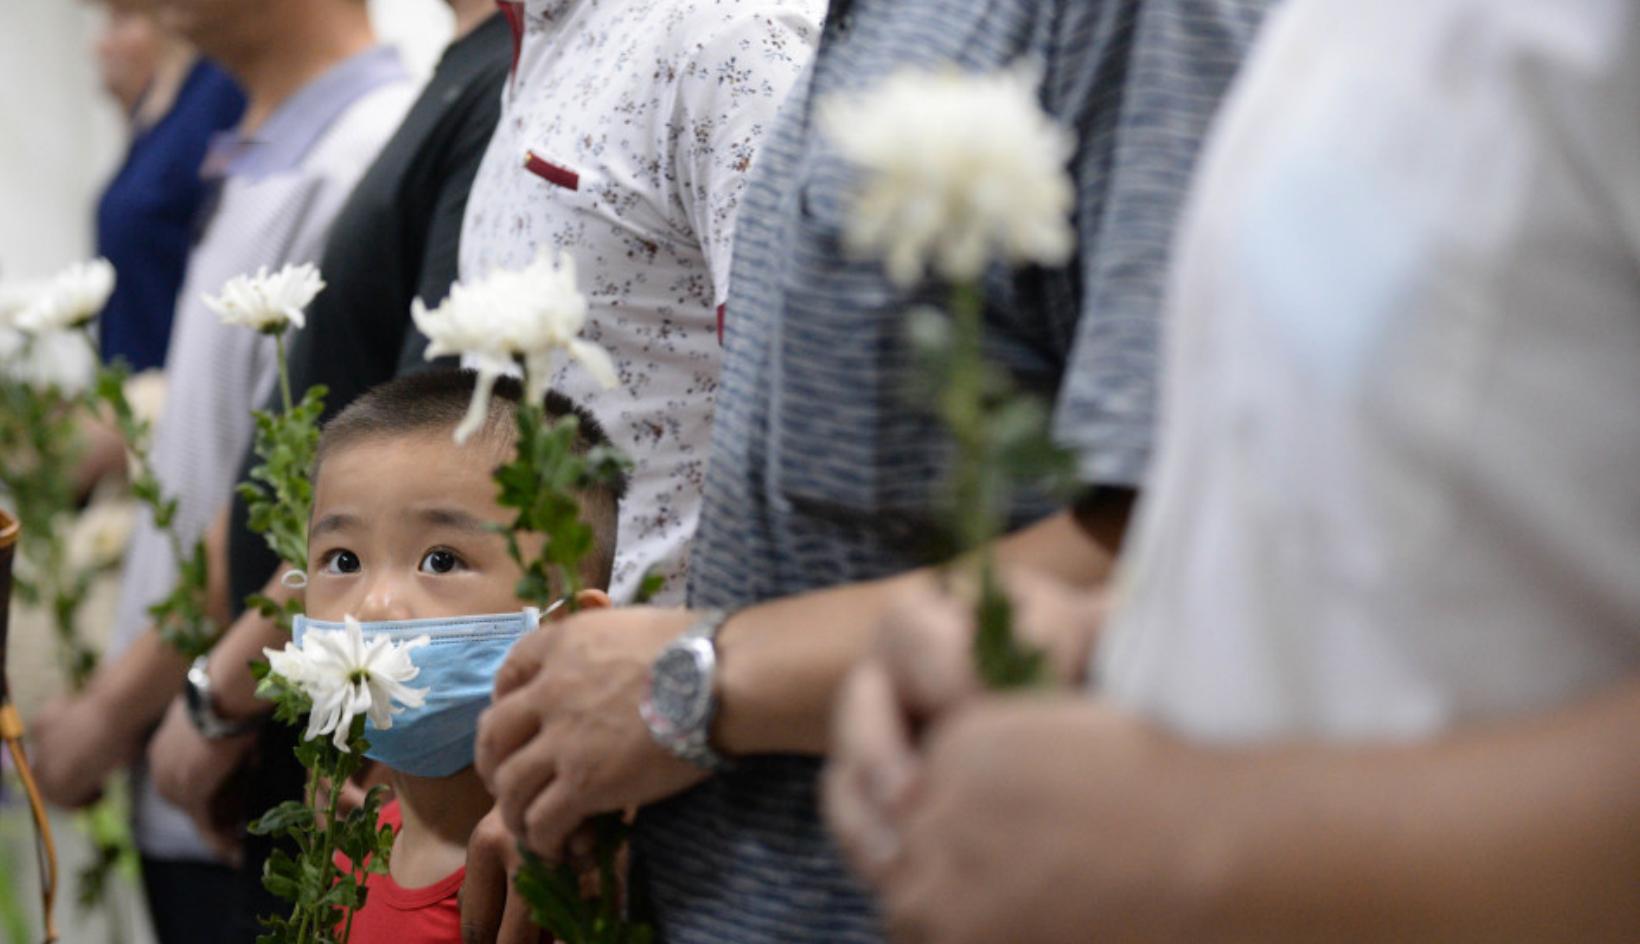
x=938, y=188
x=1001, y=785
x=919, y=670
x=564, y=740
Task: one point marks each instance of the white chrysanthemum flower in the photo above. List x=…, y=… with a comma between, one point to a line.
x=99, y=535
x=15, y=296
x=69, y=299
x=56, y=361
x=268, y=303
x=145, y=392
x=513, y=318
x=347, y=675
x=958, y=169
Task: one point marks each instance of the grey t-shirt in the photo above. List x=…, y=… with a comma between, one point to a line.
x=822, y=472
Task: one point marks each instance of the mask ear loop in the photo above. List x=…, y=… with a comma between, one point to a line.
x=295, y=580
x=553, y=608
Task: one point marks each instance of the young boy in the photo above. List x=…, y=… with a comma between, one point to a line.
x=402, y=530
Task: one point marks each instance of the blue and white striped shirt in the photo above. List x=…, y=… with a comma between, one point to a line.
x=821, y=474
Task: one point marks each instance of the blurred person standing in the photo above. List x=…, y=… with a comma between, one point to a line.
x=1374, y=671
x=627, y=135
x=641, y=184
x=819, y=497
x=176, y=103
x=396, y=239
x=322, y=99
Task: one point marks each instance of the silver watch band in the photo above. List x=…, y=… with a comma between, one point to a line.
x=202, y=709
x=692, y=742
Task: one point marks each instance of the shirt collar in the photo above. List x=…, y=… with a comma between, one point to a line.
x=286, y=137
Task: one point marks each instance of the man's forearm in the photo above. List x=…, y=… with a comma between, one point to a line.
x=232, y=686
x=135, y=688
x=782, y=661
x=1530, y=831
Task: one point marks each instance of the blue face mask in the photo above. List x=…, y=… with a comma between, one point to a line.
x=458, y=667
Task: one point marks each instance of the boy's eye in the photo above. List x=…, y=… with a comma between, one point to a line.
x=440, y=561
x=342, y=562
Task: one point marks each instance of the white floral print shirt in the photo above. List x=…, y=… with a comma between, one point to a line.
x=626, y=133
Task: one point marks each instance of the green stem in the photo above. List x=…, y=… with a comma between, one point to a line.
x=347, y=929
x=284, y=372
x=327, y=848
x=965, y=414
x=978, y=512
x=311, y=798
x=302, y=926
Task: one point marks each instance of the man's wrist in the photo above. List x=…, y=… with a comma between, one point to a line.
x=233, y=690
x=726, y=687
x=203, y=710
x=781, y=664
x=681, y=704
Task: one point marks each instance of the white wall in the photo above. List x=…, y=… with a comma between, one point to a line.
x=60, y=138
x=420, y=28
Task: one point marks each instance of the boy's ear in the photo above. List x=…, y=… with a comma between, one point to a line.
x=589, y=599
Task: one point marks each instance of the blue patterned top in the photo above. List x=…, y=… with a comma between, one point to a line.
x=822, y=474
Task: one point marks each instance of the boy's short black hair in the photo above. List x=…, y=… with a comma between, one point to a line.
x=436, y=399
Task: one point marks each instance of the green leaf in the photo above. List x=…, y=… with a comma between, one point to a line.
x=289, y=815
x=281, y=877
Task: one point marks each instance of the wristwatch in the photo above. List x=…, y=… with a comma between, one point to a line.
x=202, y=709
x=682, y=698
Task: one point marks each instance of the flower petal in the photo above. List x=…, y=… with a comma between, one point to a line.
x=597, y=362
x=478, y=409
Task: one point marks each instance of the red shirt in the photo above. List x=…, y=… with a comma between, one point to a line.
x=393, y=914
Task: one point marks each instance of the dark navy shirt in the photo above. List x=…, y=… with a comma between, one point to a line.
x=145, y=219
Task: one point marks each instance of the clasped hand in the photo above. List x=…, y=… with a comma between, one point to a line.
x=563, y=740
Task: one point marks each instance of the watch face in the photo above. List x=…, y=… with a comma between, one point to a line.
x=679, y=691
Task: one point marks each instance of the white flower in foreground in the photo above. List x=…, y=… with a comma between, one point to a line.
x=511, y=318
x=958, y=168
x=99, y=535
x=69, y=299
x=268, y=303
x=54, y=361
x=347, y=675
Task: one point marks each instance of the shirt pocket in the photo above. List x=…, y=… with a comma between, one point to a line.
x=559, y=173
